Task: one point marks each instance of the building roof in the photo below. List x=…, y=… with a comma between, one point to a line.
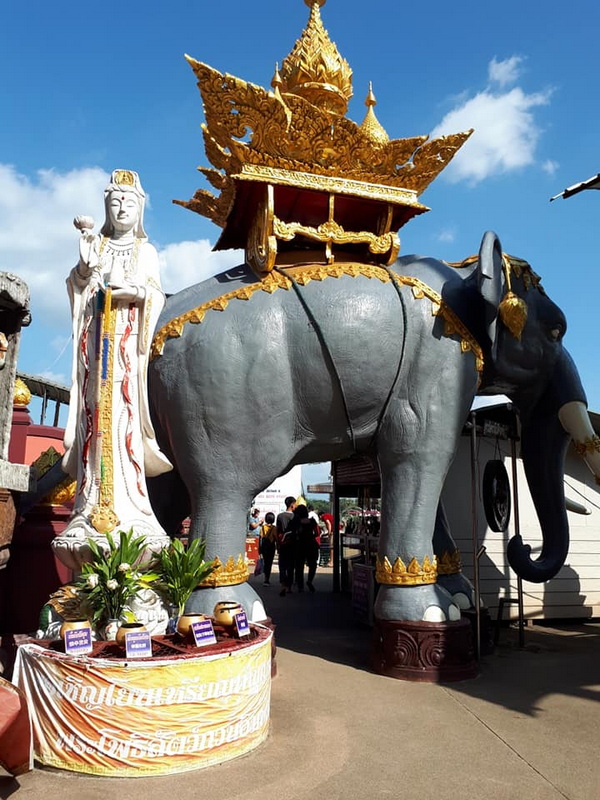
x=42, y=387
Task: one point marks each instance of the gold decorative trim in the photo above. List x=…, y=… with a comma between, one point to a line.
x=401, y=575
x=67, y=602
x=228, y=574
x=513, y=313
x=277, y=279
x=449, y=563
x=372, y=190
x=452, y=324
x=103, y=518
x=124, y=177
x=174, y=329
x=334, y=233
x=62, y=494
x=261, y=246
x=589, y=445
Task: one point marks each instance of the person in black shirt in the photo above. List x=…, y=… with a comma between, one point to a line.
x=285, y=546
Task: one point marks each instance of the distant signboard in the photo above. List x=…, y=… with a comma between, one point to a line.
x=363, y=592
x=273, y=497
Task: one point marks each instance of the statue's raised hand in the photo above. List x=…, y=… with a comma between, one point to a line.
x=89, y=257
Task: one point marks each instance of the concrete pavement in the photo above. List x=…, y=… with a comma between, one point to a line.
x=526, y=728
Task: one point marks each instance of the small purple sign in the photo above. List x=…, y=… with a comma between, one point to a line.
x=204, y=633
x=78, y=642
x=138, y=644
x=241, y=624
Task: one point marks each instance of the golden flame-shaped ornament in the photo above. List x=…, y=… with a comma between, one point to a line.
x=21, y=393
x=315, y=70
x=371, y=126
x=513, y=313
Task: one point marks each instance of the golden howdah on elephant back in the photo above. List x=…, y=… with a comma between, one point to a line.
x=293, y=172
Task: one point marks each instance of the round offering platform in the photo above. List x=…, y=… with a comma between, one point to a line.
x=184, y=708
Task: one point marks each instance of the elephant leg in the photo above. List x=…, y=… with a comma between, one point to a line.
x=416, y=445
x=450, y=575
x=221, y=491
x=409, y=591
x=219, y=517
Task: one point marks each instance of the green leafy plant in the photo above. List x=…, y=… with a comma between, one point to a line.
x=110, y=580
x=181, y=569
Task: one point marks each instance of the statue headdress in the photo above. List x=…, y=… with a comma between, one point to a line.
x=125, y=180
x=293, y=171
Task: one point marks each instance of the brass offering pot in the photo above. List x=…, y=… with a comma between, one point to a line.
x=74, y=625
x=127, y=627
x=225, y=611
x=185, y=622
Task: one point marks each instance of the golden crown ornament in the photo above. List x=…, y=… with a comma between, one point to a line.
x=290, y=167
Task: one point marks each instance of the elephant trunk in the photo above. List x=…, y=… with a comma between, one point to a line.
x=543, y=447
x=546, y=433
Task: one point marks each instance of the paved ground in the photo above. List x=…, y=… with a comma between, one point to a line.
x=528, y=727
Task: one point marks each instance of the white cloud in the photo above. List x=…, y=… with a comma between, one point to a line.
x=447, y=235
x=550, y=167
x=35, y=242
x=506, y=133
x=185, y=263
x=505, y=72
x=56, y=377
x=38, y=245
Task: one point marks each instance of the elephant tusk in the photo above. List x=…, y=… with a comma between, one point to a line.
x=576, y=508
x=575, y=420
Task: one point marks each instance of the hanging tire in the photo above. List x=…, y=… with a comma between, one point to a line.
x=496, y=495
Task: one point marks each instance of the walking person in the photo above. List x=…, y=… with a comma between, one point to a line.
x=306, y=533
x=325, y=549
x=285, y=546
x=267, y=545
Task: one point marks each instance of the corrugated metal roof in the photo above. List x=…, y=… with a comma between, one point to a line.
x=42, y=387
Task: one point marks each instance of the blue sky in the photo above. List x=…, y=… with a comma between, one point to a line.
x=85, y=90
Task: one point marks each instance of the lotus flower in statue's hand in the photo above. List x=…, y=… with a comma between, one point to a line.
x=83, y=223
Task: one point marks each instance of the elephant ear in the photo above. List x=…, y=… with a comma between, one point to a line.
x=491, y=283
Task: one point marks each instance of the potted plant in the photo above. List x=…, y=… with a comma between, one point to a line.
x=181, y=570
x=111, y=579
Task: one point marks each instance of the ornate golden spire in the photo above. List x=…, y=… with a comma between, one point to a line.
x=289, y=164
x=315, y=70
x=371, y=126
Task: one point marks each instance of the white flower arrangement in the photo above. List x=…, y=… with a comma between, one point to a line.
x=111, y=579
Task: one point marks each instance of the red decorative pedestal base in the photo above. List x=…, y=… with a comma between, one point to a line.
x=424, y=651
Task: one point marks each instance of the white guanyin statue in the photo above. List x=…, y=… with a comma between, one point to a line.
x=110, y=445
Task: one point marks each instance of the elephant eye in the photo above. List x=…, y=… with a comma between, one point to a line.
x=557, y=333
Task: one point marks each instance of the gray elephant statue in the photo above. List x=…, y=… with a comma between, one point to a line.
x=315, y=363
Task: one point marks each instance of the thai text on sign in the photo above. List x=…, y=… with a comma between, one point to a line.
x=110, y=718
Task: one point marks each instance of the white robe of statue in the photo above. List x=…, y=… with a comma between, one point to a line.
x=110, y=445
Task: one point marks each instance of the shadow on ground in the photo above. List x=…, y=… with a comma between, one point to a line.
x=559, y=660
x=319, y=624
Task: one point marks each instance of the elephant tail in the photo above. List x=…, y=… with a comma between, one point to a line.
x=170, y=500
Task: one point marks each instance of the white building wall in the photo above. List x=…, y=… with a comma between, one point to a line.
x=575, y=591
x=273, y=497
